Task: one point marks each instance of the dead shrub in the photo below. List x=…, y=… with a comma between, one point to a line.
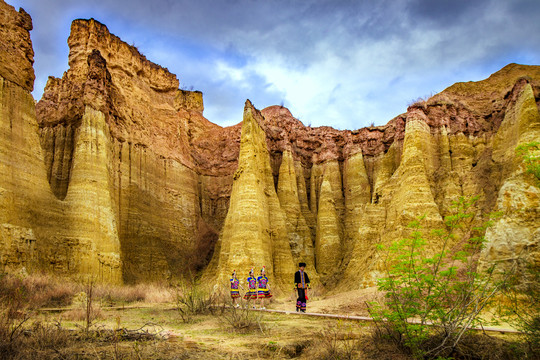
x=379, y=346
x=13, y=316
x=473, y=346
x=194, y=299
x=14, y=313
x=39, y=290
x=481, y=346
x=243, y=318
x=337, y=341
x=114, y=294
x=158, y=294
x=48, y=336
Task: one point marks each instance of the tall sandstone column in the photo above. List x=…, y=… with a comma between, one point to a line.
x=514, y=240
x=289, y=195
x=255, y=229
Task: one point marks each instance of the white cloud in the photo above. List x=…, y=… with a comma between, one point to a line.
x=332, y=62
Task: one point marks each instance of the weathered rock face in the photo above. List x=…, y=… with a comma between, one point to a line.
x=16, y=49
x=365, y=186
x=116, y=173
x=515, y=237
x=255, y=233
x=123, y=199
x=155, y=192
x=37, y=230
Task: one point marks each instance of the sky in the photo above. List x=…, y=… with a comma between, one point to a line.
x=341, y=63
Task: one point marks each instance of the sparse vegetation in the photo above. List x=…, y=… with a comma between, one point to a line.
x=193, y=299
x=338, y=340
x=187, y=87
x=420, y=102
x=530, y=154
x=522, y=309
x=432, y=301
x=242, y=319
x=150, y=327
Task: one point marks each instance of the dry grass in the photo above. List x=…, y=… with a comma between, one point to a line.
x=158, y=294
x=194, y=299
x=47, y=291
x=80, y=314
x=121, y=333
x=242, y=319
x=38, y=290
x=337, y=340
x=114, y=294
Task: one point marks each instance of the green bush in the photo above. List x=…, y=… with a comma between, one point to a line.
x=530, y=154
x=432, y=300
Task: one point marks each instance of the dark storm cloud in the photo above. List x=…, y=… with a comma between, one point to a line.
x=444, y=13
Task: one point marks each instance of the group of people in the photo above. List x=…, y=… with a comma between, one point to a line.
x=259, y=288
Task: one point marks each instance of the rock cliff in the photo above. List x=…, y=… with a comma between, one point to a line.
x=166, y=213
x=116, y=173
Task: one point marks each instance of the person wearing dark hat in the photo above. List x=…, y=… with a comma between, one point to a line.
x=301, y=284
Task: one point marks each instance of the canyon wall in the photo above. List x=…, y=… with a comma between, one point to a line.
x=162, y=209
x=346, y=192
x=115, y=173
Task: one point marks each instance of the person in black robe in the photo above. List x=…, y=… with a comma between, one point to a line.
x=301, y=284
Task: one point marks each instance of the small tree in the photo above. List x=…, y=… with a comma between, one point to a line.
x=431, y=301
x=530, y=154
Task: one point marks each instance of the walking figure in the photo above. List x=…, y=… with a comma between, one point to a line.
x=301, y=284
x=251, y=292
x=235, y=293
x=264, y=288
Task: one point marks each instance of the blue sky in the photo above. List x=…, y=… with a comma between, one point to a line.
x=344, y=64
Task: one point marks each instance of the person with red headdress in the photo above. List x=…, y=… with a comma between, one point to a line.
x=264, y=288
x=251, y=293
x=235, y=293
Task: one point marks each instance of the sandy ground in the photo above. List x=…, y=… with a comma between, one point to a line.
x=347, y=303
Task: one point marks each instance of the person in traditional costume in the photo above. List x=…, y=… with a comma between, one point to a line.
x=251, y=292
x=301, y=284
x=263, y=287
x=235, y=284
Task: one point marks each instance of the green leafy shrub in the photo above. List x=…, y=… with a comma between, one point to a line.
x=530, y=154
x=432, y=300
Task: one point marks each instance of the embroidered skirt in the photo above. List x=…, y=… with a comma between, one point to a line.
x=264, y=294
x=250, y=294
